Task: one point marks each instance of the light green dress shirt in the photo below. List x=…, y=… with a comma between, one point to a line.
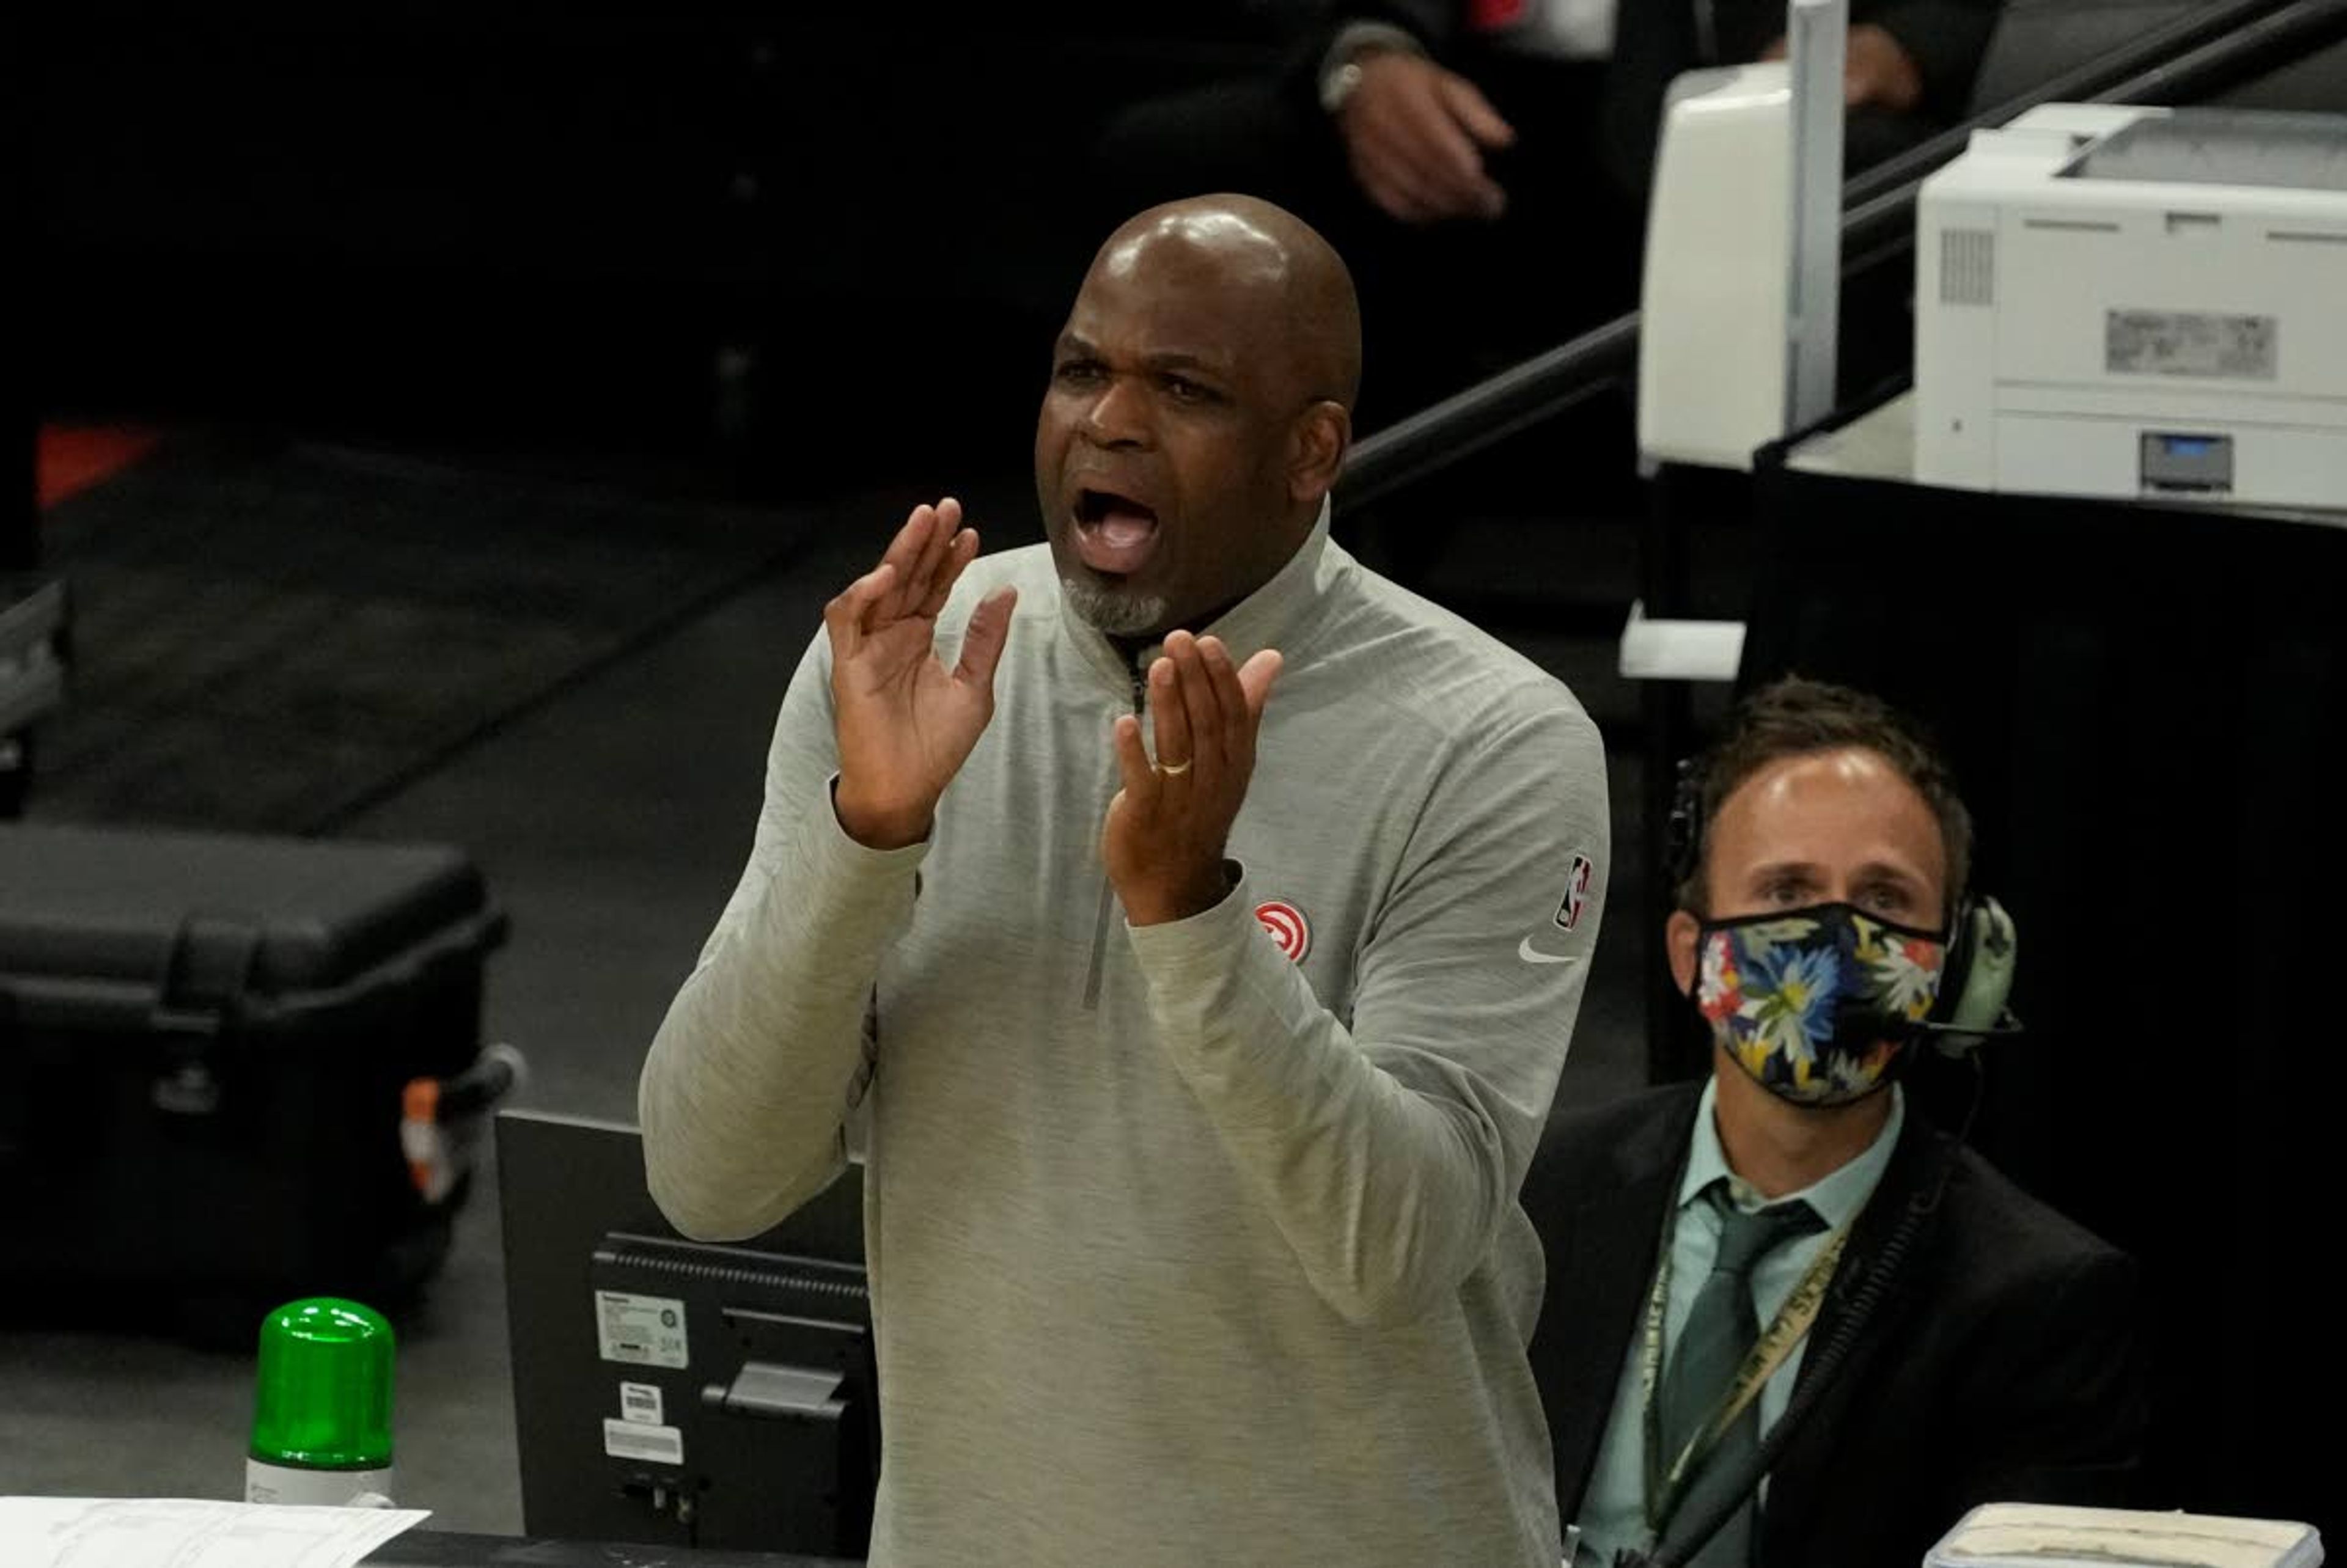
x=1613, y=1510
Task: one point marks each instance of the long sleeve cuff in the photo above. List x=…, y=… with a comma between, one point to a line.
x=1215, y=985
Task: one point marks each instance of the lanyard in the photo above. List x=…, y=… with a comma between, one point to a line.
x=1665, y=1492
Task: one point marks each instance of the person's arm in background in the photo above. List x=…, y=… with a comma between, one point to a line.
x=1914, y=57
x=1388, y=1151
x=1908, y=72
x=1941, y=42
x=1414, y=130
x=745, y=1093
x=1429, y=26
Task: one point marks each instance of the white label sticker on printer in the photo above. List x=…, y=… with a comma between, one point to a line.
x=2191, y=342
x=641, y=1402
x=633, y=1439
x=647, y=1331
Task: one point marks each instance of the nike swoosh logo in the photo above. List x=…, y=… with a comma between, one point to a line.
x=1531, y=955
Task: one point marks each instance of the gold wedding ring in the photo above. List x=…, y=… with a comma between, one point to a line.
x=1172, y=770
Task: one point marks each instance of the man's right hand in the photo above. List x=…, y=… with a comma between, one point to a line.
x=905, y=722
x=1416, y=134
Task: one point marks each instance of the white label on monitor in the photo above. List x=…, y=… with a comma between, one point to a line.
x=647, y=1331
x=641, y=1402
x=651, y=1445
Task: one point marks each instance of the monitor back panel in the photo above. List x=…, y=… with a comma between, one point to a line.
x=675, y=1392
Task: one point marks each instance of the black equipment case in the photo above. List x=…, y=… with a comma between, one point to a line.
x=207, y=1043
x=32, y=676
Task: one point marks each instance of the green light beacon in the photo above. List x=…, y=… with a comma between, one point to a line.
x=321, y=1406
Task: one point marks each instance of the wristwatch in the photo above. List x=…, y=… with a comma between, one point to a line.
x=1340, y=68
x=1338, y=86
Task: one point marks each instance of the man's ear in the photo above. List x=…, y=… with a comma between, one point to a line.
x=1680, y=933
x=1324, y=433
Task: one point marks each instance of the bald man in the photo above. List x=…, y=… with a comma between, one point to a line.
x=1187, y=924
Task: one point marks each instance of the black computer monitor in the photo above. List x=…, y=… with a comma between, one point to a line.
x=677, y=1392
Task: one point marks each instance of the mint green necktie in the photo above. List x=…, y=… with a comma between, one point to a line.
x=1720, y=1332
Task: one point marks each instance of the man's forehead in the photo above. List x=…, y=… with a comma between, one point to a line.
x=1845, y=808
x=1209, y=240
x=1163, y=319
x=1172, y=268
x=1846, y=774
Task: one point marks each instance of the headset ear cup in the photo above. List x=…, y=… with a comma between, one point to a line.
x=1977, y=982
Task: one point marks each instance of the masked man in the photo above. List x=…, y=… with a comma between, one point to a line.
x=1785, y=1255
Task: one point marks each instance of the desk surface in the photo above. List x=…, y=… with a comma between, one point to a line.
x=443, y=1549
x=1878, y=444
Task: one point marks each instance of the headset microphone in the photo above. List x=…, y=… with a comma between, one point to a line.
x=1954, y=1037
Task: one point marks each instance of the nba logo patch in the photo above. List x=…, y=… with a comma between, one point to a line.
x=1577, y=893
x=1290, y=931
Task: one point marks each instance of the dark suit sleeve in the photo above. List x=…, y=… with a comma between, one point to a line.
x=1945, y=39
x=2063, y=1412
x=1434, y=22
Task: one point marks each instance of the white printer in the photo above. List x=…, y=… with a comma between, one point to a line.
x=2112, y=300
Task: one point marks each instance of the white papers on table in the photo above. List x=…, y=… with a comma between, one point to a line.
x=181, y=1532
x=2034, y=1535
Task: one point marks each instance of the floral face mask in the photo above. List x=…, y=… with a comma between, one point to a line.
x=1818, y=1004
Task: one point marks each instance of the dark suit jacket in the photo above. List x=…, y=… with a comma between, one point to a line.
x=2001, y=1365
x=1654, y=40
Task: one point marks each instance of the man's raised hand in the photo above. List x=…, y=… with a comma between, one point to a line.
x=1166, y=829
x=905, y=722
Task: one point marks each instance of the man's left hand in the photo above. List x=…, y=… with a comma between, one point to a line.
x=1878, y=72
x=1167, y=828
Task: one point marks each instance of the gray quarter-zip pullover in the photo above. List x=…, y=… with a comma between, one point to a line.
x=1191, y=1243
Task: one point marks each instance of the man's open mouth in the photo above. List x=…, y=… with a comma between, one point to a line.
x=1114, y=533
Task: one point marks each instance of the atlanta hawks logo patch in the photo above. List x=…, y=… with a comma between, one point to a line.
x=1290, y=931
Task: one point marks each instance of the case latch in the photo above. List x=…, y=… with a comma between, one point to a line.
x=200, y=1007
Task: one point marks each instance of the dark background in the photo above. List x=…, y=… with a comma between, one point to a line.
x=654, y=224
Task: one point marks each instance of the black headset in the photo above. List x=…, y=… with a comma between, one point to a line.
x=1976, y=982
